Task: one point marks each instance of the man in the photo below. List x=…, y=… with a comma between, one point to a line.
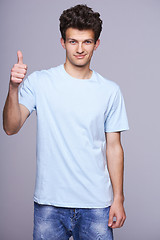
x=80, y=116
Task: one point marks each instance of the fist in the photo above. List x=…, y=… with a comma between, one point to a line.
x=18, y=71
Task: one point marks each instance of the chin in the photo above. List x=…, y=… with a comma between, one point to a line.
x=80, y=64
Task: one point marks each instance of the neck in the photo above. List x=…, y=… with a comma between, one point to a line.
x=78, y=72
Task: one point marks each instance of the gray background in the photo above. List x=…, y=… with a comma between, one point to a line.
x=129, y=54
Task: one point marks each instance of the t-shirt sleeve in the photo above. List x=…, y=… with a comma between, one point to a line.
x=26, y=94
x=116, y=119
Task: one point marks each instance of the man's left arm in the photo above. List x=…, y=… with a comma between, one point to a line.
x=115, y=163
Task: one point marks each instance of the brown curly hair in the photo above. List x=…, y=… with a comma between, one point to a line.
x=80, y=17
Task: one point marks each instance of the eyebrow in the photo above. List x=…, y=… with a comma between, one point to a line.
x=89, y=39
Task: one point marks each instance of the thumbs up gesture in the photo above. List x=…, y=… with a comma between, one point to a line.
x=18, y=71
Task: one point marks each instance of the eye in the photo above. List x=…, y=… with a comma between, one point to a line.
x=72, y=42
x=88, y=42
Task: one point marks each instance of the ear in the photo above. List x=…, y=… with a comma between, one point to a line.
x=97, y=44
x=63, y=43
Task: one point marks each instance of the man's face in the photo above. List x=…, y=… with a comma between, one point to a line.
x=79, y=46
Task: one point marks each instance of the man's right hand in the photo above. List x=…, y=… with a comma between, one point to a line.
x=15, y=114
x=18, y=71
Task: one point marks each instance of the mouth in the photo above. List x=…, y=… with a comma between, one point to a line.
x=80, y=56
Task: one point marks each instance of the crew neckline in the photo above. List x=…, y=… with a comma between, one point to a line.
x=77, y=79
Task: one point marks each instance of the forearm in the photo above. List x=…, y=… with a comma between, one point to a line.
x=11, y=112
x=115, y=163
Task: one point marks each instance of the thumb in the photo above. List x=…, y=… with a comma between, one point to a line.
x=20, y=57
x=110, y=221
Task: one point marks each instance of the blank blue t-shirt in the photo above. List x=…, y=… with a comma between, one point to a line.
x=72, y=118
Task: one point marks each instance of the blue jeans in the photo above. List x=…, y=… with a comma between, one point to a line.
x=60, y=223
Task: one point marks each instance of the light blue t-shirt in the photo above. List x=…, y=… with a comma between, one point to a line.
x=72, y=118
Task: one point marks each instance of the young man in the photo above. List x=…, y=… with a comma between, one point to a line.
x=80, y=115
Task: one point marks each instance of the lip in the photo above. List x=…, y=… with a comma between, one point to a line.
x=80, y=56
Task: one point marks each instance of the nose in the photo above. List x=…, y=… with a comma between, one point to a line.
x=80, y=49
